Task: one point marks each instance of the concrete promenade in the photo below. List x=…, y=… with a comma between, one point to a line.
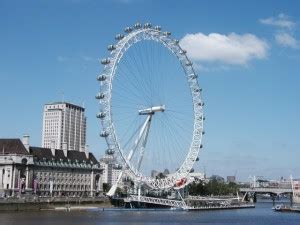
x=38, y=203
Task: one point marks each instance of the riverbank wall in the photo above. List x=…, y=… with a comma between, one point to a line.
x=31, y=204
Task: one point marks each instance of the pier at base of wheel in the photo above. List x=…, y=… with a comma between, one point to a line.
x=192, y=203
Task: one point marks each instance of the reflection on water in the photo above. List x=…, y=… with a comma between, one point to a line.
x=261, y=215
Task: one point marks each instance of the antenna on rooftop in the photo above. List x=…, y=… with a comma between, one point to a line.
x=62, y=96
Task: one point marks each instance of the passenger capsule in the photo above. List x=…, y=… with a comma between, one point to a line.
x=158, y=28
x=111, y=47
x=137, y=26
x=176, y=41
x=203, y=132
x=202, y=117
x=109, y=151
x=147, y=25
x=100, y=95
x=166, y=33
x=104, y=134
x=105, y=61
x=192, y=170
x=197, y=159
x=119, y=37
x=127, y=179
x=188, y=63
x=182, y=52
x=128, y=29
x=101, y=77
x=193, y=76
x=117, y=167
x=100, y=115
x=201, y=146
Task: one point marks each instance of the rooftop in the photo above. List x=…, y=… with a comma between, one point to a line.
x=67, y=104
x=12, y=146
x=45, y=153
x=15, y=146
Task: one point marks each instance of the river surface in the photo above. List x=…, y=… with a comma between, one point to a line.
x=261, y=215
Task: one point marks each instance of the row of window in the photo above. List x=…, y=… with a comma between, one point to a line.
x=65, y=181
x=66, y=187
x=57, y=174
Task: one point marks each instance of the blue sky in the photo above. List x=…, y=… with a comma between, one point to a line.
x=249, y=75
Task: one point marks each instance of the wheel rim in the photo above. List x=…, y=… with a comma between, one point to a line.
x=109, y=131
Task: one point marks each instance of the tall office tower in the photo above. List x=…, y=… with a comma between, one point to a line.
x=64, y=124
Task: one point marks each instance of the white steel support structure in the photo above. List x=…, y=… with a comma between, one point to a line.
x=139, y=143
x=158, y=201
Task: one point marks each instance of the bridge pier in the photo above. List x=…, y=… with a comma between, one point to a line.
x=246, y=197
x=273, y=197
x=254, y=197
x=291, y=199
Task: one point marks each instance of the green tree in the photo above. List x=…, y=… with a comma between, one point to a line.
x=106, y=187
x=213, y=187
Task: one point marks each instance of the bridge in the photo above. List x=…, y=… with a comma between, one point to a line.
x=263, y=190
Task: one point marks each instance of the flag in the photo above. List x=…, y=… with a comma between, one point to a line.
x=51, y=186
x=35, y=185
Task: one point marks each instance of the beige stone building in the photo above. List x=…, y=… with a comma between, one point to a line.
x=47, y=171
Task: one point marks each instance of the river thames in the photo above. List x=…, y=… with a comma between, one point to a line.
x=261, y=215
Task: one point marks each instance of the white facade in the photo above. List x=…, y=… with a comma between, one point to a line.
x=43, y=172
x=110, y=170
x=198, y=175
x=11, y=170
x=105, y=178
x=115, y=175
x=64, y=123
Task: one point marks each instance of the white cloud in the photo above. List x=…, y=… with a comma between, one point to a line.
x=286, y=40
x=73, y=59
x=62, y=58
x=284, y=27
x=281, y=21
x=88, y=59
x=233, y=49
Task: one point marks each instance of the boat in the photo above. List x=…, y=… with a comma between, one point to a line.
x=282, y=208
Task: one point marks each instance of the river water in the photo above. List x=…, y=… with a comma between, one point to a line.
x=261, y=215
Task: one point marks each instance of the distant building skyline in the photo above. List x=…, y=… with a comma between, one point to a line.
x=64, y=124
x=231, y=179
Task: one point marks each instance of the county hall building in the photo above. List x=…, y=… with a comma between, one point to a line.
x=63, y=166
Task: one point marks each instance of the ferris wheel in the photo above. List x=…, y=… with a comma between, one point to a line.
x=151, y=109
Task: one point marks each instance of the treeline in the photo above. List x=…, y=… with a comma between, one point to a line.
x=213, y=187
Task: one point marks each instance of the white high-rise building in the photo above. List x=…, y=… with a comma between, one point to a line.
x=111, y=170
x=64, y=123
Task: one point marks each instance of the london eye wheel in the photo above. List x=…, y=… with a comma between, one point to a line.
x=151, y=109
